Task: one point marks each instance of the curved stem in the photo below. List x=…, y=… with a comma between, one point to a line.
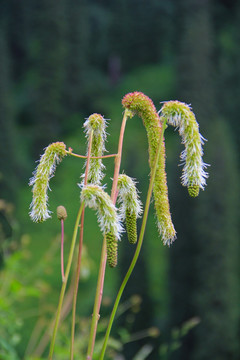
x=92, y=157
x=64, y=284
x=76, y=281
x=138, y=248
x=102, y=267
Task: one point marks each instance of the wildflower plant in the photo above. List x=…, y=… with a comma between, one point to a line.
x=110, y=216
x=143, y=106
x=52, y=156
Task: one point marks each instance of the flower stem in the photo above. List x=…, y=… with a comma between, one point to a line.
x=92, y=157
x=64, y=284
x=76, y=281
x=102, y=267
x=138, y=248
x=62, y=257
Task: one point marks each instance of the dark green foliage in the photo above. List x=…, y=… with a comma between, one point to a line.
x=8, y=148
x=204, y=261
x=7, y=126
x=77, y=48
x=216, y=221
x=49, y=61
x=227, y=22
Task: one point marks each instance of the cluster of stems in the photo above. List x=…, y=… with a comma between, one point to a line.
x=124, y=192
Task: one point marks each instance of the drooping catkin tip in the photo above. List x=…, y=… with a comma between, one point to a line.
x=112, y=247
x=131, y=225
x=61, y=212
x=193, y=190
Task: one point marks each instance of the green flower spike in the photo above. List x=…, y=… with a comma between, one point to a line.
x=96, y=198
x=96, y=124
x=130, y=205
x=112, y=249
x=52, y=156
x=180, y=115
x=143, y=106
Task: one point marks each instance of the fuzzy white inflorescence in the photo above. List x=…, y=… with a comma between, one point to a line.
x=40, y=181
x=180, y=115
x=96, y=198
x=96, y=124
x=128, y=197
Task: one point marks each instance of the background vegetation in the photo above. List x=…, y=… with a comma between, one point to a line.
x=63, y=60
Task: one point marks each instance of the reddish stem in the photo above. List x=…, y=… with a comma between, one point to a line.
x=79, y=254
x=101, y=274
x=62, y=254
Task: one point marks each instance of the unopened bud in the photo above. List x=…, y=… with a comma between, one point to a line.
x=61, y=213
x=153, y=332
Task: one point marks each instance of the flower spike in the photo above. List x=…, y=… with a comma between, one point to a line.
x=96, y=124
x=181, y=116
x=130, y=205
x=143, y=106
x=96, y=198
x=52, y=156
x=112, y=249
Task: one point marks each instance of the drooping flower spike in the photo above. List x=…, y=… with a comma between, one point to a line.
x=52, y=156
x=97, y=125
x=181, y=116
x=130, y=205
x=96, y=198
x=140, y=104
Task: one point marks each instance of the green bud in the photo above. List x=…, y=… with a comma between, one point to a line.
x=61, y=212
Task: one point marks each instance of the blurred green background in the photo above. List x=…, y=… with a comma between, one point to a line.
x=63, y=60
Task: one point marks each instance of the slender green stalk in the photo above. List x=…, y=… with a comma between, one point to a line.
x=138, y=248
x=62, y=245
x=79, y=256
x=102, y=267
x=64, y=284
x=96, y=315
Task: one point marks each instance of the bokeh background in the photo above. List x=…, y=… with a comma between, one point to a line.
x=61, y=61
